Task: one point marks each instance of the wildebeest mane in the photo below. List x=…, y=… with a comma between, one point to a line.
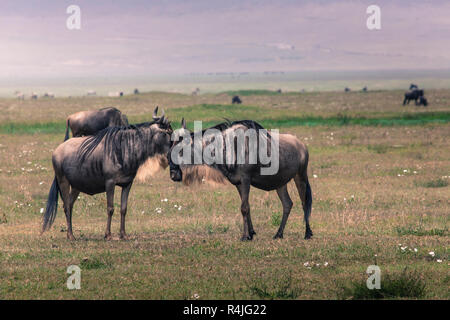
x=120, y=144
x=250, y=124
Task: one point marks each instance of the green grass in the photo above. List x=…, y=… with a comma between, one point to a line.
x=407, y=284
x=252, y=93
x=438, y=183
x=207, y=112
x=282, y=289
x=419, y=231
x=176, y=254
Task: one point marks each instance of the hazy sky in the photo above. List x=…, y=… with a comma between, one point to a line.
x=137, y=37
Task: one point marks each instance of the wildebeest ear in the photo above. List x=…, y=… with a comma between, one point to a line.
x=183, y=123
x=155, y=112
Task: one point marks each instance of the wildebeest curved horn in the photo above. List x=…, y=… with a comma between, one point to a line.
x=155, y=112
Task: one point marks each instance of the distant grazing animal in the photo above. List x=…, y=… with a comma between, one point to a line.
x=293, y=163
x=236, y=100
x=347, y=89
x=96, y=164
x=412, y=95
x=86, y=123
x=279, y=91
x=136, y=91
x=422, y=102
x=20, y=95
x=34, y=96
x=364, y=89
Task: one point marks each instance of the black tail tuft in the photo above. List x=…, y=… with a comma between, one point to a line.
x=52, y=206
x=67, y=131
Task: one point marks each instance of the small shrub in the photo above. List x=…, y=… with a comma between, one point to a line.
x=283, y=289
x=3, y=218
x=378, y=148
x=419, y=231
x=438, y=183
x=95, y=263
x=275, y=219
x=393, y=286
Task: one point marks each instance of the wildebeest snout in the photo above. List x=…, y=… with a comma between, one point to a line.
x=176, y=175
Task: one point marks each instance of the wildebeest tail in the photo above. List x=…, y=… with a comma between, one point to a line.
x=308, y=197
x=67, y=131
x=52, y=205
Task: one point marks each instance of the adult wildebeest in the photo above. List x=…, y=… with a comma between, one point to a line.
x=347, y=89
x=236, y=100
x=292, y=160
x=86, y=123
x=96, y=164
x=412, y=95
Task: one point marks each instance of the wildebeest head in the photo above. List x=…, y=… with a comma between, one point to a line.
x=163, y=130
x=175, y=171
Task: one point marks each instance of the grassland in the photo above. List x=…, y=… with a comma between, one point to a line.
x=380, y=179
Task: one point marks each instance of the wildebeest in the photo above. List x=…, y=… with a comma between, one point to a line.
x=86, y=123
x=412, y=95
x=96, y=164
x=422, y=101
x=236, y=100
x=347, y=89
x=136, y=91
x=293, y=163
x=364, y=89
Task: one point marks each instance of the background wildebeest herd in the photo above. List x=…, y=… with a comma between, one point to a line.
x=378, y=174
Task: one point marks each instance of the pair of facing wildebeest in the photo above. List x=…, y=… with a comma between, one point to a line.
x=115, y=153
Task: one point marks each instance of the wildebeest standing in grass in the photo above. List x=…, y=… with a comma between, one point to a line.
x=293, y=164
x=412, y=95
x=86, y=123
x=96, y=164
x=236, y=100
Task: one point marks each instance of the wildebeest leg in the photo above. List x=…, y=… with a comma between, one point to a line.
x=73, y=197
x=123, y=210
x=110, y=208
x=64, y=187
x=304, y=190
x=244, y=191
x=287, y=205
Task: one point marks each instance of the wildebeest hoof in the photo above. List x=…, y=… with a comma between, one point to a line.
x=124, y=237
x=247, y=238
x=278, y=236
x=71, y=237
x=108, y=237
x=308, y=235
